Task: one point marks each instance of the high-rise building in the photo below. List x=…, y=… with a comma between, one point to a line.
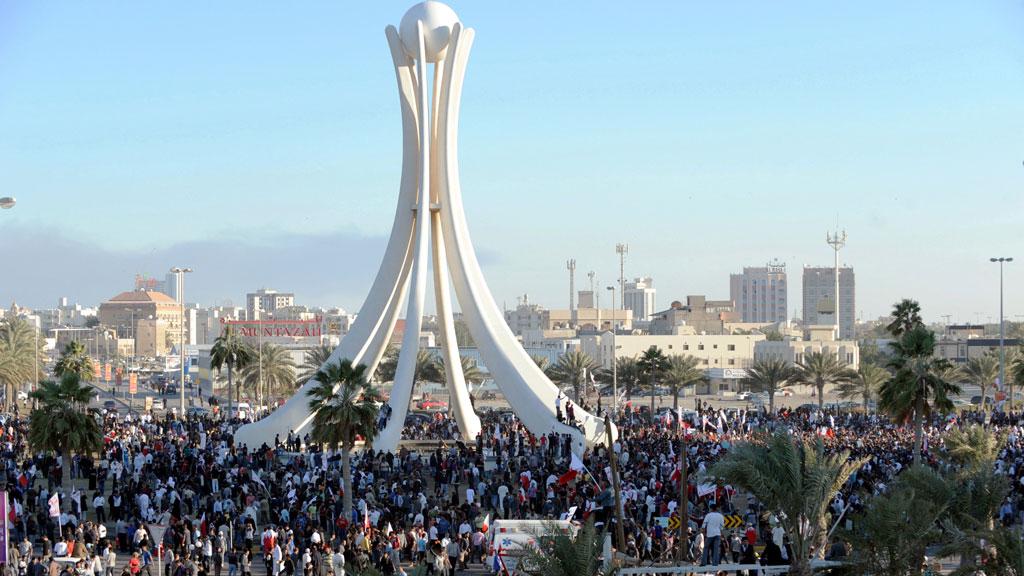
x=820, y=302
x=263, y=302
x=639, y=297
x=760, y=293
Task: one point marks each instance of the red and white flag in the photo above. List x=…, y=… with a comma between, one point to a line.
x=575, y=467
x=486, y=524
x=54, y=504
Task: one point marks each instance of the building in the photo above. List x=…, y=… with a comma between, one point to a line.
x=819, y=298
x=711, y=350
x=698, y=316
x=531, y=317
x=760, y=293
x=525, y=316
x=639, y=296
x=816, y=339
x=160, y=313
x=264, y=302
x=963, y=350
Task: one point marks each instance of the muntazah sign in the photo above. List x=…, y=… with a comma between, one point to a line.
x=278, y=328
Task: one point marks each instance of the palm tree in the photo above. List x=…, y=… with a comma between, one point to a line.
x=563, y=555
x=18, y=355
x=983, y=373
x=542, y=362
x=230, y=350
x=470, y=372
x=62, y=421
x=311, y=363
x=870, y=378
x=769, y=375
x=916, y=388
x=682, y=371
x=1016, y=363
x=906, y=316
x=278, y=371
x=794, y=478
x=343, y=408
x=652, y=364
x=571, y=370
x=74, y=360
x=893, y=533
x=819, y=369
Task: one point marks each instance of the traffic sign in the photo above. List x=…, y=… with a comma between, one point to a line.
x=673, y=522
x=733, y=521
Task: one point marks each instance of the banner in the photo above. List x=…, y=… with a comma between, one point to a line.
x=107, y=372
x=54, y=505
x=4, y=518
x=133, y=383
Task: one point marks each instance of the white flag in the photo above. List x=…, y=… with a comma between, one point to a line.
x=575, y=463
x=54, y=503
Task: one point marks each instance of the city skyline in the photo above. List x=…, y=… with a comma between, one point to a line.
x=270, y=146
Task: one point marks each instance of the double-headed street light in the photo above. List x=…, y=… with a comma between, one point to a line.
x=180, y=273
x=1002, y=332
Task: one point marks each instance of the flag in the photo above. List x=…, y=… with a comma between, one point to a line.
x=497, y=560
x=705, y=489
x=575, y=467
x=677, y=473
x=388, y=529
x=486, y=524
x=366, y=516
x=54, y=503
x=256, y=478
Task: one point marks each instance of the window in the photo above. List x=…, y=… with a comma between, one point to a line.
x=715, y=346
x=732, y=361
x=686, y=346
x=669, y=346
x=731, y=348
x=700, y=346
x=849, y=357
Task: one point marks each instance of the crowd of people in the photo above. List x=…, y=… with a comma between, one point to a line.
x=167, y=496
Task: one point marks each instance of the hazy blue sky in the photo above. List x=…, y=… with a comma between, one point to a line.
x=709, y=136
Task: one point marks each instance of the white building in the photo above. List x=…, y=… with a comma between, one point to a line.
x=817, y=339
x=711, y=350
x=264, y=302
x=819, y=298
x=639, y=297
x=760, y=293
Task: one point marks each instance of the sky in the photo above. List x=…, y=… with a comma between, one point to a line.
x=260, y=144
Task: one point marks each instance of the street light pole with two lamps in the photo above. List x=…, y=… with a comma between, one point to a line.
x=180, y=274
x=1002, y=332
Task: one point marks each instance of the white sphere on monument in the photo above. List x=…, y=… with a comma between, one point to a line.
x=438, y=22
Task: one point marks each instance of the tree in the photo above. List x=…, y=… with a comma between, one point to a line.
x=769, y=375
x=62, y=420
x=18, y=355
x=426, y=368
x=463, y=337
x=571, y=370
x=344, y=408
x=312, y=362
x=916, y=388
x=906, y=315
x=74, y=360
x=894, y=531
x=563, y=555
x=626, y=372
x=1016, y=375
x=652, y=365
x=278, y=371
x=983, y=373
x=795, y=479
x=682, y=371
x=542, y=362
x=470, y=373
x=820, y=369
x=870, y=378
x=230, y=350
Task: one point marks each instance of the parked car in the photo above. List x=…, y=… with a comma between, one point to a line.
x=743, y=395
x=976, y=400
x=432, y=404
x=197, y=412
x=159, y=404
x=110, y=405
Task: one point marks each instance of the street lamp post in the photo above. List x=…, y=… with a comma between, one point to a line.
x=180, y=273
x=1002, y=332
x=615, y=367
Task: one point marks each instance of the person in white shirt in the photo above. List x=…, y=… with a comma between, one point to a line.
x=713, y=523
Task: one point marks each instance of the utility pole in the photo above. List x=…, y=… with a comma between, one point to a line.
x=571, y=266
x=1002, y=329
x=684, y=499
x=614, y=459
x=180, y=273
x=622, y=250
x=837, y=241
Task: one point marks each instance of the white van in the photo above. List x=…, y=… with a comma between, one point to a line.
x=516, y=538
